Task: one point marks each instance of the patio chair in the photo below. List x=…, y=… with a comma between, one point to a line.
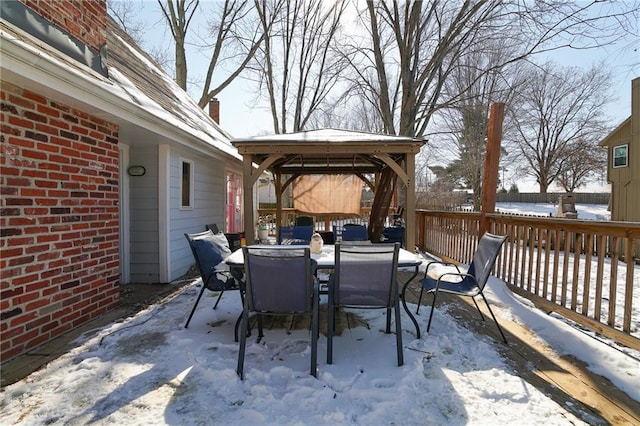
x=304, y=221
x=394, y=234
x=209, y=251
x=352, y=232
x=279, y=281
x=365, y=277
x=472, y=282
x=295, y=234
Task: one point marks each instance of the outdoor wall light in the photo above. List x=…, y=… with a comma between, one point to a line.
x=136, y=170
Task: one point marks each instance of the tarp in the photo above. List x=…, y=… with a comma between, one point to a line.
x=327, y=194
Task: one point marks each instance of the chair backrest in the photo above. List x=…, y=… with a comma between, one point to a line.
x=278, y=280
x=354, y=233
x=304, y=221
x=209, y=250
x=295, y=234
x=393, y=234
x=365, y=275
x=213, y=228
x=485, y=257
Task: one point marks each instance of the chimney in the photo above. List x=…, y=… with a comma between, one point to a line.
x=214, y=110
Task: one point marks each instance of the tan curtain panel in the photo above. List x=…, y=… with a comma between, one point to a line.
x=327, y=194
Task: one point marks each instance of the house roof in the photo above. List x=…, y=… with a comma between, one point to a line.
x=136, y=68
x=137, y=93
x=613, y=136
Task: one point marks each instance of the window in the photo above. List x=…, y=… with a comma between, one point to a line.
x=186, y=185
x=620, y=155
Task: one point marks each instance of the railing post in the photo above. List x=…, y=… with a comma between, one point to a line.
x=491, y=163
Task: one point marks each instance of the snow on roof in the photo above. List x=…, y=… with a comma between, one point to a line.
x=328, y=135
x=145, y=84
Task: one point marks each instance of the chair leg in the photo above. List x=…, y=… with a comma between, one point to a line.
x=314, y=335
x=433, y=306
x=388, y=321
x=195, y=306
x=399, y=348
x=330, y=327
x=243, y=343
x=260, y=327
x=477, y=307
x=218, y=299
x=237, y=327
x=239, y=320
x=419, y=300
x=494, y=318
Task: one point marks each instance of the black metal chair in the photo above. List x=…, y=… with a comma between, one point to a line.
x=209, y=251
x=295, y=234
x=365, y=277
x=279, y=281
x=472, y=282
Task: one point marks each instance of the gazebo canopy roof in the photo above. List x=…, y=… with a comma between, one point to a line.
x=327, y=151
x=332, y=151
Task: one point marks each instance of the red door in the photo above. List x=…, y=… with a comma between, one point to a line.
x=234, y=219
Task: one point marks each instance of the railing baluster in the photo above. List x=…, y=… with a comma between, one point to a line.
x=597, y=309
x=613, y=281
x=628, y=291
x=547, y=254
x=575, y=283
x=556, y=265
x=565, y=267
x=587, y=274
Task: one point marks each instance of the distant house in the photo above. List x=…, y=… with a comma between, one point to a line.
x=623, y=170
x=105, y=162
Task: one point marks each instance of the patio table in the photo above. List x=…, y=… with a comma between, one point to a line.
x=326, y=260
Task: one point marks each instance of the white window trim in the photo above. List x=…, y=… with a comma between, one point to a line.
x=613, y=160
x=191, y=187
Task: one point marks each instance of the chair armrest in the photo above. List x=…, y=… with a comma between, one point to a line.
x=455, y=274
x=439, y=262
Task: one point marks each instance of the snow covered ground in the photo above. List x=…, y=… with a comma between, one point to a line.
x=150, y=370
x=585, y=211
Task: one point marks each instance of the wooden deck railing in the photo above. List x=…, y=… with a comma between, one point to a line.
x=584, y=270
x=322, y=222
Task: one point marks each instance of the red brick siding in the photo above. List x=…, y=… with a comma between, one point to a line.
x=59, y=221
x=84, y=19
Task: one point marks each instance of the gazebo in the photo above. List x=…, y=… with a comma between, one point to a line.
x=332, y=151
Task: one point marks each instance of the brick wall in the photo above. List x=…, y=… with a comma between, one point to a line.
x=59, y=222
x=84, y=19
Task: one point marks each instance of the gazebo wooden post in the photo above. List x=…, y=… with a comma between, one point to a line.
x=277, y=181
x=491, y=163
x=247, y=194
x=410, y=208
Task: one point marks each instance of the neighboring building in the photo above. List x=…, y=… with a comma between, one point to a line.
x=623, y=169
x=105, y=164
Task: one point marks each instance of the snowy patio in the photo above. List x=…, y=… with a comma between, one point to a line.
x=150, y=370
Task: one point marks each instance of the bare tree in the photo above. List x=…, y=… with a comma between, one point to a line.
x=236, y=35
x=554, y=113
x=178, y=16
x=585, y=160
x=126, y=15
x=296, y=66
x=471, y=91
x=411, y=48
